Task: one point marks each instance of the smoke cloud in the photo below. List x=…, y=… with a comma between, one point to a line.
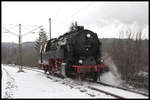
x=112, y=77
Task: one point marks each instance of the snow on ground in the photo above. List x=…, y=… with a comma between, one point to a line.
x=123, y=93
x=31, y=84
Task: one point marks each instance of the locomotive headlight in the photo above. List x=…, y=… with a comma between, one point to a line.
x=88, y=35
x=80, y=61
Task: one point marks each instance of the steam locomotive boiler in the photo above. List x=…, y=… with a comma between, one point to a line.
x=76, y=54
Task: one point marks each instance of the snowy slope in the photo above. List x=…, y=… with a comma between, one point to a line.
x=30, y=84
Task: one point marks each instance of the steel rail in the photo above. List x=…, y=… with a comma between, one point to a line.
x=127, y=89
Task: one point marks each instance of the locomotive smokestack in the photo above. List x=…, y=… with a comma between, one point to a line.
x=76, y=24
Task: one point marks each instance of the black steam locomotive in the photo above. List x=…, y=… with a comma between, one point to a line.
x=76, y=54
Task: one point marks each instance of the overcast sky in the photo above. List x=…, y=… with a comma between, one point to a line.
x=107, y=19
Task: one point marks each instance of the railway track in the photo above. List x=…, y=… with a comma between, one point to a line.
x=79, y=85
x=90, y=85
x=117, y=92
x=108, y=93
x=127, y=89
x=101, y=89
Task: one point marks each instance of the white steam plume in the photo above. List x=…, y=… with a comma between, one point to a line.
x=112, y=77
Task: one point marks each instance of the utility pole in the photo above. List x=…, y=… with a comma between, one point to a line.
x=20, y=43
x=50, y=28
x=20, y=50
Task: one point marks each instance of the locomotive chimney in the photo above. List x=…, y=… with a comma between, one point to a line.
x=76, y=24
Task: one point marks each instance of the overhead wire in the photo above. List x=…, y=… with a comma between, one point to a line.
x=8, y=31
x=13, y=27
x=58, y=12
x=78, y=11
x=25, y=27
x=32, y=31
x=22, y=26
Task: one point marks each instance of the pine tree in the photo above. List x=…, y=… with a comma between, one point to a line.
x=41, y=41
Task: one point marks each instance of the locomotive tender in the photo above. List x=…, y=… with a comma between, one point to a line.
x=75, y=54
